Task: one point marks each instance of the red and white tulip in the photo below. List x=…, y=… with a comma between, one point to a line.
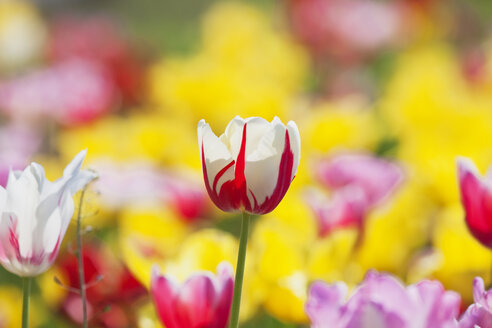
x=35, y=214
x=251, y=165
x=202, y=301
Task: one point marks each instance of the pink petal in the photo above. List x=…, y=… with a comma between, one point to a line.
x=196, y=302
x=163, y=293
x=377, y=177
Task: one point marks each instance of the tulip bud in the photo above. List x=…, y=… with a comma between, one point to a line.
x=35, y=214
x=476, y=197
x=251, y=165
x=202, y=301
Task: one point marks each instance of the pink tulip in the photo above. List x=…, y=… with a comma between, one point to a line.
x=71, y=92
x=346, y=208
x=358, y=183
x=478, y=314
x=476, y=197
x=376, y=177
x=382, y=301
x=249, y=167
x=346, y=30
x=202, y=301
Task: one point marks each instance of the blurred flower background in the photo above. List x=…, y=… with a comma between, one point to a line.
x=386, y=95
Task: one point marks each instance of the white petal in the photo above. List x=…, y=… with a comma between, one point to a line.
x=51, y=232
x=262, y=166
x=3, y=199
x=214, y=148
x=23, y=200
x=76, y=163
x=256, y=128
x=295, y=145
x=233, y=136
x=216, y=155
x=80, y=180
x=271, y=142
x=67, y=208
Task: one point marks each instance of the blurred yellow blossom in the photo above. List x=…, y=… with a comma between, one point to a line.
x=393, y=232
x=286, y=299
x=463, y=257
x=436, y=117
x=149, y=235
x=246, y=69
x=331, y=258
x=343, y=124
x=51, y=292
x=11, y=307
x=136, y=137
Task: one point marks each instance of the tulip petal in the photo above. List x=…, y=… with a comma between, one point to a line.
x=262, y=166
x=284, y=175
x=74, y=166
x=49, y=231
x=196, y=301
x=233, y=135
x=225, y=293
x=476, y=197
x=257, y=127
x=164, y=290
x=295, y=145
x=215, y=156
x=371, y=314
x=325, y=302
x=23, y=199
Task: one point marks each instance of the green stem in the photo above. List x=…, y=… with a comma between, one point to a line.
x=80, y=259
x=238, y=281
x=25, y=301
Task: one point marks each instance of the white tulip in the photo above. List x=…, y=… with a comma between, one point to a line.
x=35, y=214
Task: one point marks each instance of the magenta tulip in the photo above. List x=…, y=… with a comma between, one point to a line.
x=476, y=197
x=202, y=301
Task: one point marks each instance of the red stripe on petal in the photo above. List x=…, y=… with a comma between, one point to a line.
x=220, y=174
x=283, y=180
x=53, y=254
x=14, y=238
x=220, y=201
x=240, y=179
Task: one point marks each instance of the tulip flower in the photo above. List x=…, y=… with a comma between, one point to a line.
x=359, y=183
x=35, y=216
x=249, y=167
x=476, y=197
x=478, y=314
x=377, y=178
x=202, y=301
x=382, y=301
x=346, y=208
